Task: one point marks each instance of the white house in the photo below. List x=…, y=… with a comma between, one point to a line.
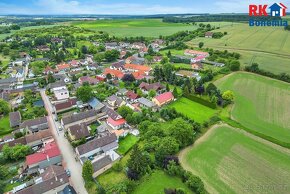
x=61, y=93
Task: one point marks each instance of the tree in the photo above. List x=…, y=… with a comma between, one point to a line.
x=109, y=76
x=4, y=107
x=152, y=93
x=167, y=146
x=84, y=49
x=211, y=89
x=124, y=111
x=6, y=51
x=50, y=78
x=234, y=65
x=228, y=95
x=182, y=131
x=85, y=93
x=138, y=163
x=175, y=92
x=167, y=88
x=200, y=44
x=128, y=77
x=15, y=153
x=164, y=60
x=88, y=171
x=149, y=59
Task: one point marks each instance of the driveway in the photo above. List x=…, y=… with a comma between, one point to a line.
x=66, y=149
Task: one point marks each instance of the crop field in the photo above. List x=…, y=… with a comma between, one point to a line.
x=259, y=44
x=157, y=182
x=232, y=161
x=193, y=110
x=136, y=27
x=261, y=104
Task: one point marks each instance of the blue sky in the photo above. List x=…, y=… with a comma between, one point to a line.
x=127, y=7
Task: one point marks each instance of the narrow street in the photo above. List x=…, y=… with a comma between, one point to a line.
x=66, y=149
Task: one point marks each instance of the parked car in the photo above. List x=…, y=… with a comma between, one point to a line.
x=68, y=172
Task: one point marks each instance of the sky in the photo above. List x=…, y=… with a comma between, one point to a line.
x=126, y=7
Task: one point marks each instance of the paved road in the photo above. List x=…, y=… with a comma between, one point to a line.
x=66, y=149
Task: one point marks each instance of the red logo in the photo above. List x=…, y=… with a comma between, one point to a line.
x=277, y=9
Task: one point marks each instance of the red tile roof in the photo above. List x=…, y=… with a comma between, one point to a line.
x=132, y=95
x=116, y=73
x=63, y=66
x=137, y=67
x=164, y=97
x=49, y=151
x=117, y=122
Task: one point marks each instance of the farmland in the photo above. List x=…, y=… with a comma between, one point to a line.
x=232, y=161
x=267, y=46
x=193, y=110
x=137, y=27
x=261, y=104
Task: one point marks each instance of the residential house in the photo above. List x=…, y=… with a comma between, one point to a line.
x=89, y=58
x=67, y=105
x=8, y=83
x=61, y=93
x=114, y=73
x=195, y=53
x=38, y=139
x=64, y=67
x=138, y=45
x=92, y=67
x=56, y=40
x=112, y=45
x=34, y=125
x=118, y=65
x=138, y=68
x=145, y=103
x=145, y=87
x=208, y=34
x=115, y=121
x=95, y=104
x=19, y=62
x=135, y=60
x=164, y=98
x=197, y=66
x=43, y=48
x=48, y=70
x=157, y=59
x=132, y=96
x=47, y=156
x=87, y=117
x=101, y=165
x=15, y=119
x=103, y=145
x=89, y=80
x=122, y=92
x=74, y=63
x=79, y=131
x=115, y=101
x=53, y=180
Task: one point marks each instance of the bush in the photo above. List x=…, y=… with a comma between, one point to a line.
x=200, y=100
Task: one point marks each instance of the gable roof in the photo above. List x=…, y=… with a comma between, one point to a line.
x=154, y=86
x=101, y=163
x=116, y=73
x=49, y=151
x=96, y=143
x=137, y=67
x=15, y=119
x=63, y=66
x=38, y=136
x=164, y=97
x=79, y=131
x=35, y=124
x=64, y=105
x=96, y=104
x=80, y=116
x=132, y=95
x=113, y=114
x=146, y=102
x=117, y=122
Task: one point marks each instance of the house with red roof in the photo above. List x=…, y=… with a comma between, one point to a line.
x=162, y=99
x=132, y=96
x=47, y=156
x=63, y=67
x=48, y=70
x=114, y=73
x=137, y=68
x=88, y=79
x=115, y=120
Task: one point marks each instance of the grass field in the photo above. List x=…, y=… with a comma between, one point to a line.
x=157, y=182
x=268, y=46
x=193, y=110
x=126, y=144
x=232, y=161
x=137, y=27
x=4, y=125
x=261, y=104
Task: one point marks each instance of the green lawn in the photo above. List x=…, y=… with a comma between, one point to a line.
x=134, y=27
x=193, y=110
x=126, y=144
x=261, y=104
x=232, y=161
x=268, y=46
x=5, y=126
x=157, y=182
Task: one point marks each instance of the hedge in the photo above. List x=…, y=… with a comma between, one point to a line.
x=200, y=100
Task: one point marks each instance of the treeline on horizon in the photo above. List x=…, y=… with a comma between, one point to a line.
x=214, y=18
